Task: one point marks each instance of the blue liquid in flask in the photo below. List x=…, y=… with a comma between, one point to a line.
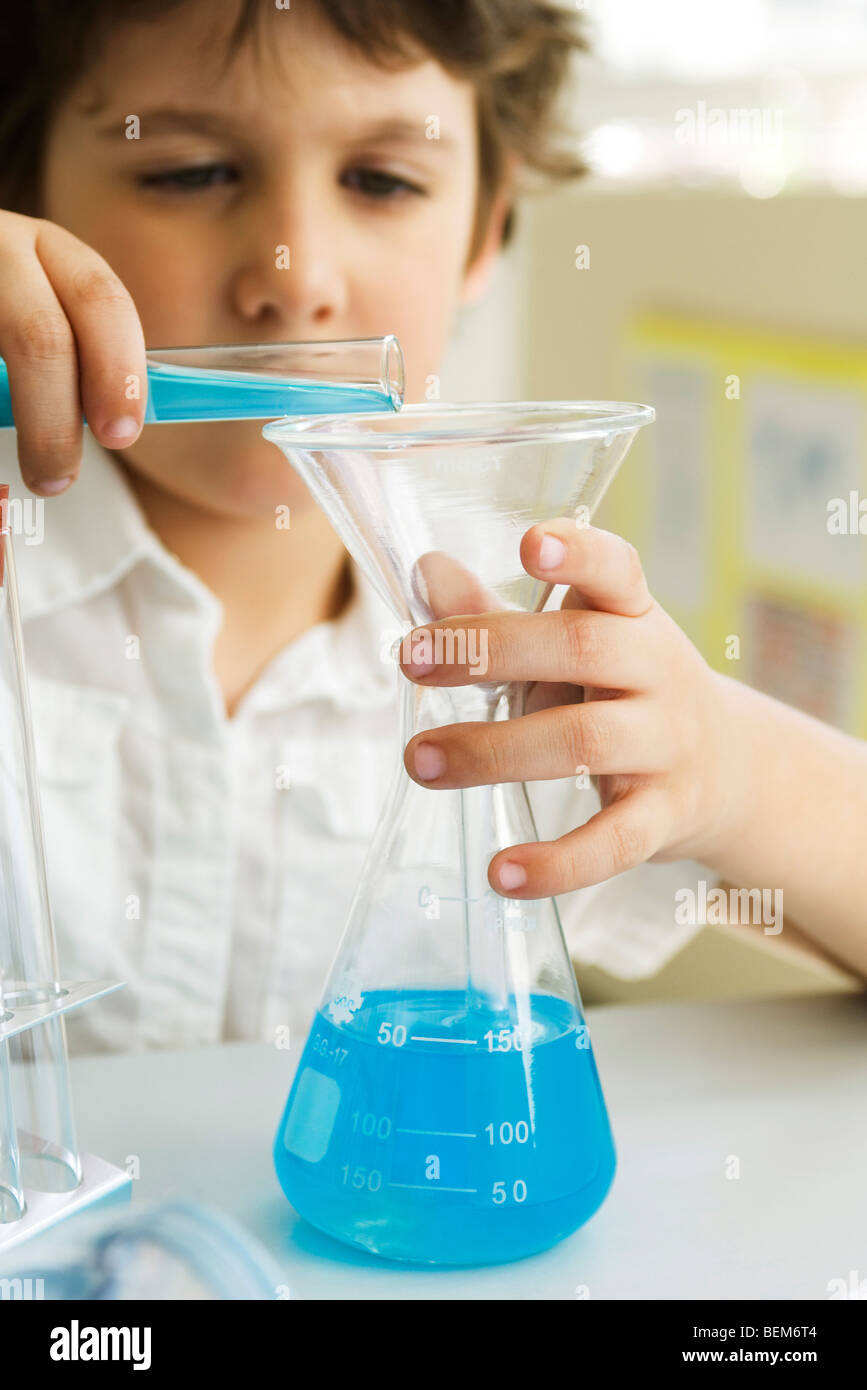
x=424, y=1130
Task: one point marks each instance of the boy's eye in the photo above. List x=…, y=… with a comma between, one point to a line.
x=191, y=179
x=195, y=178
x=376, y=183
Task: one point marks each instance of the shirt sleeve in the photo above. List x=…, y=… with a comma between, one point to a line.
x=635, y=923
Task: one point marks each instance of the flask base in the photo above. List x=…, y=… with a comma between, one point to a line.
x=460, y=1236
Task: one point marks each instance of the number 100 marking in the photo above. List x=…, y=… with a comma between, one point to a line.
x=520, y=1132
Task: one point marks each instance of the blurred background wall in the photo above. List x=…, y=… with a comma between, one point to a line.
x=727, y=206
x=795, y=263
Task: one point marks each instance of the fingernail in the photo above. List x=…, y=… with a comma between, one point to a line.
x=50, y=486
x=125, y=427
x=552, y=552
x=429, y=761
x=512, y=875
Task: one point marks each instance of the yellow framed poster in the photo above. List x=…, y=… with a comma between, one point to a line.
x=748, y=502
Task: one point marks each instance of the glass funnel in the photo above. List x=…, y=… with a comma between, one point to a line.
x=447, y=1108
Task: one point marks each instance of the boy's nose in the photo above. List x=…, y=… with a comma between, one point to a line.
x=292, y=282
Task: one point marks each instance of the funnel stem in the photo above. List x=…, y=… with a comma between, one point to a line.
x=484, y=829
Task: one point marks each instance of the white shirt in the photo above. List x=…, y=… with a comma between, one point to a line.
x=210, y=862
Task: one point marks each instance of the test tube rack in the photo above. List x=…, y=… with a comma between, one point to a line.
x=44, y=1177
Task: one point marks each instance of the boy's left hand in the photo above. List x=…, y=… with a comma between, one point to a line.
x=617, y=688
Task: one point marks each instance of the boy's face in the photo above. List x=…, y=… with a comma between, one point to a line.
x=288, y=148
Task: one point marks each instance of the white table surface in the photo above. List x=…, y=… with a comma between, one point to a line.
x=781, y=1084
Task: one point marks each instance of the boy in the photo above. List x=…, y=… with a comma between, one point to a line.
x=153, y=167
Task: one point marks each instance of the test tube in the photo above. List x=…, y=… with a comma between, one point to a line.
x=261, y=381
x=38, y=1147
x=12, y=1204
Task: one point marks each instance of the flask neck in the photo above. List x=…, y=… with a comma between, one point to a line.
x=429, y=707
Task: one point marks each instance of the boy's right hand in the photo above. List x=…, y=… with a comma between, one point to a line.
x=71, y=339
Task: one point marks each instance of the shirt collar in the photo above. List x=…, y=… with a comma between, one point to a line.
x=95, y=533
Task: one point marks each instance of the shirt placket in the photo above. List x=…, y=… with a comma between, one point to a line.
x=186, y=964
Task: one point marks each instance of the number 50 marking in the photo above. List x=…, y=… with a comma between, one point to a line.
x=519, y=1191
x=387, y=1034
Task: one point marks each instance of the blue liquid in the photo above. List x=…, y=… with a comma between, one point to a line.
x=416, y=1130
x=193, y=393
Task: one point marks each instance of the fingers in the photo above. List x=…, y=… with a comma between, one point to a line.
x=575, y=645
x=603, y=568
x=603, y=736
x=445, y=586
x=550, y=694
x=108, y=333
x=626, y=833
x=71, y=338
x=37, y=344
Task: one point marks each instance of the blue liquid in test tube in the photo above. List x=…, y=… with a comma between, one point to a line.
x=187, y=393
x=193, y=393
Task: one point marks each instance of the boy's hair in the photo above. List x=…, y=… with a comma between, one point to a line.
x=515, y=52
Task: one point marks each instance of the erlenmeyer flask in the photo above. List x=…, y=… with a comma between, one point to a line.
x=447, y=1107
